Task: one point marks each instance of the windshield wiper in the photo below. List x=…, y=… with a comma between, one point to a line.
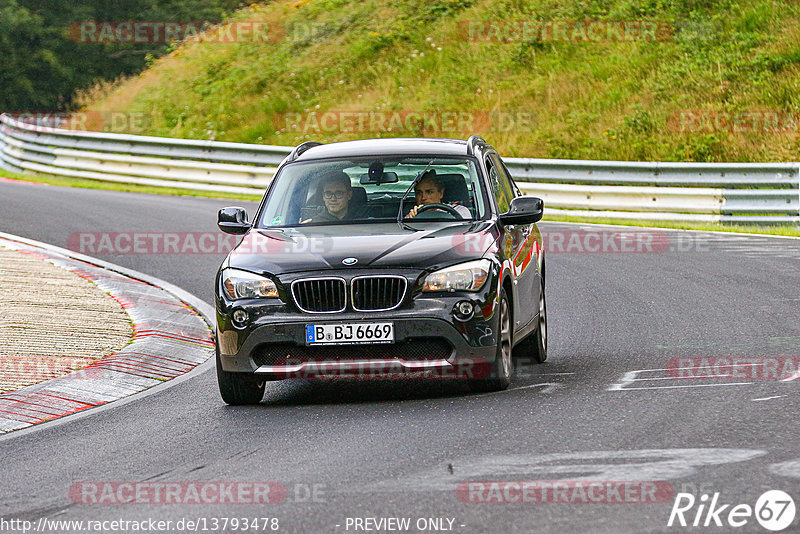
x=400, y=217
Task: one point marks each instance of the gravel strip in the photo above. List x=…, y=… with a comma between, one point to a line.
x=52, y=321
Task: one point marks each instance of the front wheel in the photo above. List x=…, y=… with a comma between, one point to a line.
x=535, y=345
x=500, y=371
x=238, y=389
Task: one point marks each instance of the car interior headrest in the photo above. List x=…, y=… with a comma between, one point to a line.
x=455, y=188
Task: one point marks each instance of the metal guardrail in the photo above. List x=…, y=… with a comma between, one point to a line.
x=156, y=161
x=728, y=192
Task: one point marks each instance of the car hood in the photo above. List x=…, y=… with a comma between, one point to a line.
x=319, y=248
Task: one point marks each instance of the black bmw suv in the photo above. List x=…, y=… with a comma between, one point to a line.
x=379, y=258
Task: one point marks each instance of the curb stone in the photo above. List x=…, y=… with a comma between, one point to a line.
x=170, y=339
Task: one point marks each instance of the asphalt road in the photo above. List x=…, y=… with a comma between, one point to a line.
x=602, y=408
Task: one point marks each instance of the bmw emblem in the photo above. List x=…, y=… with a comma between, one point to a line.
x=350, y=261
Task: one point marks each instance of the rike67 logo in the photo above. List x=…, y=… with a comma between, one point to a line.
x=774, y=510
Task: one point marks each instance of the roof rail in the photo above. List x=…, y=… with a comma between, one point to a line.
x=472, y=141
x=302, y=147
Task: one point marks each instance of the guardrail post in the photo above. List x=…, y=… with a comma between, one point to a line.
x=797, y=169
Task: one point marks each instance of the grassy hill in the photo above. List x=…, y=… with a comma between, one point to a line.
x=713, y=86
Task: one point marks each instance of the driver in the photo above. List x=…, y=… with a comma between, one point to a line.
x=430, y=190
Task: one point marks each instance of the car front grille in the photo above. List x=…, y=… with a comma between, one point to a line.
x=367, y=293
x=320, y=295
x=419, y=349
x=376, y=293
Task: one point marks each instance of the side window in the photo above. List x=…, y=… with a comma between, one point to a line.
x=498, y=190
x=515, y=192
x=505, y=178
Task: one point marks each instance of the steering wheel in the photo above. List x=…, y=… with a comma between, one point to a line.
x=444, y=207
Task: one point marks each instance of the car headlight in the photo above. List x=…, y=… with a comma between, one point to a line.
x=469, y=276
x=243, y=285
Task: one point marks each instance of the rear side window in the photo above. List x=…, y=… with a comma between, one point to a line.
x=505, y=178
x=501, y=194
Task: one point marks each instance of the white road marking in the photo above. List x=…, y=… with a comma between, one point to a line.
x=676, y=387
x=551, y=386
x=768, y=398
x=787, y=469
x=644, y=464
x=536, y=375
x=793, y=377
x=634, y=376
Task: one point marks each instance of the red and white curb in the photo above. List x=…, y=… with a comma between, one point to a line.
x=171, y=337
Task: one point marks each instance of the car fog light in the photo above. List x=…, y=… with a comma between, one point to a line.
x=240, y=317
x=463, y=310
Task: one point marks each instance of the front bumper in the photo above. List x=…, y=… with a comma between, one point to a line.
x=428, y=338
x=454, y=348
x=378, y=368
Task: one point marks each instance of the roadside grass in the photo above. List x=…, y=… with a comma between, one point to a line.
x=778, y=229
x=587, y=100
x=115, y=186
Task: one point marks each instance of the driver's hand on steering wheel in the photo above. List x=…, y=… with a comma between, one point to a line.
x=413, y=212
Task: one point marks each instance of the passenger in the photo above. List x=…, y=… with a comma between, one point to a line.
x=337, y=192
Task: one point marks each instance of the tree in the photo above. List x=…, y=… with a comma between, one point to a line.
x=43, y=66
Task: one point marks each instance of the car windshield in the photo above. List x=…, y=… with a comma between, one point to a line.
x=369, y=190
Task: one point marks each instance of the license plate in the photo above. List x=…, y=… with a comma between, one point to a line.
x=349, y=333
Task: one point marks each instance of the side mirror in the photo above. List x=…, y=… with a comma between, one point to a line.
x=233, y=221
x=524, y=210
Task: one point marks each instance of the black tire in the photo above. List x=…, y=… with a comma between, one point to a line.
x=500, y=371
x=535, y=345
x=238, y=389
